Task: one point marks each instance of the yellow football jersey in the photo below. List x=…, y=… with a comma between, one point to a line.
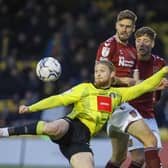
x=93, y=106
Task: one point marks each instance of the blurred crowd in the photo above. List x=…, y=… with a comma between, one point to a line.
x=69, y=31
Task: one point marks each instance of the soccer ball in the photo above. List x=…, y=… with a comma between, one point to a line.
x=48, y=69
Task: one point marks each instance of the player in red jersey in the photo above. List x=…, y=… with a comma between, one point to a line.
x=148, y=64
x=124, y=57
x=117, y=49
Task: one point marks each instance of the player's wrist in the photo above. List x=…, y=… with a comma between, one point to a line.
x=29, y=109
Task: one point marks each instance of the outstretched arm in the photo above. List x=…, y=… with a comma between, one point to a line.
x=50, y=102
x=64, y=99
x=147, y=85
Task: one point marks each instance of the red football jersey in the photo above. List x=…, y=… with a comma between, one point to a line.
x=144, y=104
x=124, y=57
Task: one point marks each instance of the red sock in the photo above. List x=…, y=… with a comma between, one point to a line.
x=135, y=165
x=111, y=165
x=152, y=158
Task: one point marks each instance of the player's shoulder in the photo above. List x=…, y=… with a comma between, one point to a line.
x=108, y=42
x=158, y=58
x=79, y=87
x=84, y=85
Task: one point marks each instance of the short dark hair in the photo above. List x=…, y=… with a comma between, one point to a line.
x=127, y=14
x=109, y=64
x=146, y=31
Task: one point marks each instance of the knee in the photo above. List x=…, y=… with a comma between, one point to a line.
x=82, y=160
x=150, y=141
x=56, y=128
x=138, y=156
x=51, y=128
x=138, y=160
x=119, y=158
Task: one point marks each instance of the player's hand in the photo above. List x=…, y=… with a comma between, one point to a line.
x=163, y=84
x=23, y=109
x=132, y=82
x=128, y=81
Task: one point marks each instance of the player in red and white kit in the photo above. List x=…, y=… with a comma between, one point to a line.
x=148, y=64
x=123, y=55
x=117, y=50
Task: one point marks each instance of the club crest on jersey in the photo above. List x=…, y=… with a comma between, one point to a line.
x=105, y=51
x=112, y=95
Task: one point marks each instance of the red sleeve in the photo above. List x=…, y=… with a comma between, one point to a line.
x=160, y=63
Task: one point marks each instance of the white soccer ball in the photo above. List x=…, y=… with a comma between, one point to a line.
x=48, y=69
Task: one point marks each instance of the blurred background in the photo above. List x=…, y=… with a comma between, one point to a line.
x=69, y=30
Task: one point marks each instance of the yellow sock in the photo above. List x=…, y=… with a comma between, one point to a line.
x=39, y=128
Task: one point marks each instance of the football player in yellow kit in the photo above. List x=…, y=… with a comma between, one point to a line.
x=93, y=106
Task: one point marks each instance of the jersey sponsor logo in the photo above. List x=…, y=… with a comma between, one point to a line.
x=105, y=51
x=121, y=61
x=104, y=104
x=125, y=63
